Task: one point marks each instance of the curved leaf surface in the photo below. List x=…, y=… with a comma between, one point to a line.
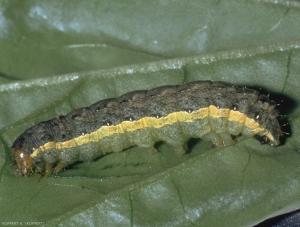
x=233, y=41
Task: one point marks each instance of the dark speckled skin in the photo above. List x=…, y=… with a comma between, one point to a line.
x=157, y=102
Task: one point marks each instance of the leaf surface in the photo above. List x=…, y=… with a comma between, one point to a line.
x=134, y=45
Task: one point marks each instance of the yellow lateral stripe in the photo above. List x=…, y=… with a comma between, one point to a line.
x=214, y=112
x=109, y=130
x=250, y=123
x=236, y=116
x=92, y=137
x=133, y=125
x=48, y=145
x=181, y=116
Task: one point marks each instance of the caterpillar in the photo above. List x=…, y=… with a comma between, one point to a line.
x=201, y=109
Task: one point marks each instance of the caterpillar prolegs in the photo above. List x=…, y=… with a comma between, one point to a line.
x=173, y=114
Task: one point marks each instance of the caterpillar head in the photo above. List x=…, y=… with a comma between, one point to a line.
x=23, y=162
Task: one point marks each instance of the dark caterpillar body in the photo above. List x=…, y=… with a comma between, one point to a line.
x=173, y=114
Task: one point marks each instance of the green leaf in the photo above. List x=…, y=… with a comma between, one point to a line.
x=232, y=41
x=45, y=38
